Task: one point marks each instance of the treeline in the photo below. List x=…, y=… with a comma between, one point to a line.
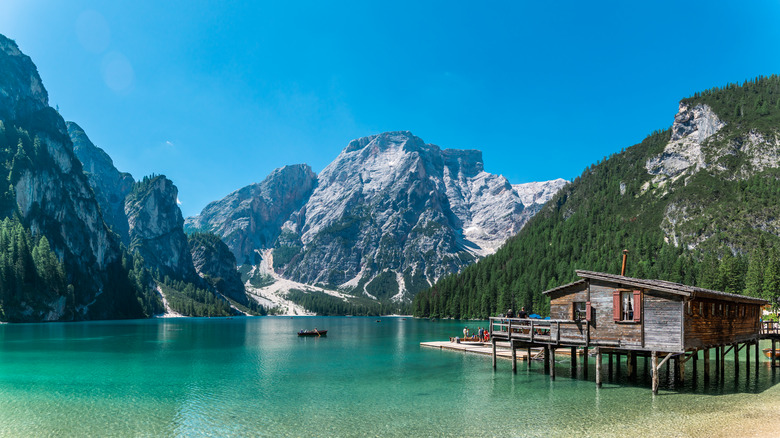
x=616, y=204
x=29, y=271
x=190, y=300
x=328, y=305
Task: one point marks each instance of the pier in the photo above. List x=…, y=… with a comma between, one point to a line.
x=626, y=318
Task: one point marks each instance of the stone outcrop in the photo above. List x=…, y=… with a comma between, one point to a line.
x=251, y=218
x=156, y=228
x=212, y=258
x=109, y=184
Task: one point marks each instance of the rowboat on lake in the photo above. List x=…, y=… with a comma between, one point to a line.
x=314, y=332
x=768, y=353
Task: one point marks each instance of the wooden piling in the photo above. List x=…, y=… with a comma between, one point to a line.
x=598, y=367
x=654, y=365
x=747, y=356
x=552, y=363
x=547, y=359
x=609, y=365
x=757, y=354
x=493, y=341
x=585, y=362
x=722, y=362
x=514, y=358
x=706, y=364
x=528, y=364
x=573, y=361
x=736, y=359
x=681, y=369
x=630, y=364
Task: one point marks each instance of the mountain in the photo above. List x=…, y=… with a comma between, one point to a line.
x=49, y=204
x=109, y=184
x=695, y=204
x=156, y=228
x=251, y=218
x=387, y=217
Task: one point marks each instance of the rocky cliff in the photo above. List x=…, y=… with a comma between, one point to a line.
x=213, y=260
x=109, y=184
x=251, y=218
x=156, y=228
x=53, y=198
x=389, y=215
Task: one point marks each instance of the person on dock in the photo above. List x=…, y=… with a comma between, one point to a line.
x=510, y=313
x=465, y=332
x=522, y=313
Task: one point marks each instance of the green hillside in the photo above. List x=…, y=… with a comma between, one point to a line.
x=716, y=226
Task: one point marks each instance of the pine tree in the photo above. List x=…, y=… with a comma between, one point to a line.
x=754, y=280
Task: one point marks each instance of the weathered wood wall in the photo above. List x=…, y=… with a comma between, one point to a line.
x=561, y=306
x=728, y=324
x=663, y=314
x=605, y=330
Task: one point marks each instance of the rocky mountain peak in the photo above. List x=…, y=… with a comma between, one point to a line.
x=21, y=88
x=684, y=154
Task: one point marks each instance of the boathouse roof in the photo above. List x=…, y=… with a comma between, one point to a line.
x=659, y=285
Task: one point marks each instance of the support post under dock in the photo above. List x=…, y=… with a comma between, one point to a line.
x=654, y=364
x=552, y=363
x=493, y=341
x=598, y=367
x=514, y=358
x=706, y=364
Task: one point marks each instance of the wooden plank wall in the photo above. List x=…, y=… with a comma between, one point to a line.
x=704, y=329
x=604, y=328
x=561, y=303
x=663, y=321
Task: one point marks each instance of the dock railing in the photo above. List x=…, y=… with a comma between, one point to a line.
x=546, y=331
x=770, y=328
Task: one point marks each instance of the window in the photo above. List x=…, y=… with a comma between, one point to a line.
x=626, y=305
x=580, y=310
x=701, y=309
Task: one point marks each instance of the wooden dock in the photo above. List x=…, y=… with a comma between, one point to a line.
x=503, y=349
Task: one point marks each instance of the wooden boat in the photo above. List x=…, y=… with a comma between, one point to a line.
x=314, y=332
x=768, y=353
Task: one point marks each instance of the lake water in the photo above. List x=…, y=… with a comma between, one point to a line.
x=255, y=377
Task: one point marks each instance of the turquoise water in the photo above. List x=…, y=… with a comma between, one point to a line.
x=255, y=377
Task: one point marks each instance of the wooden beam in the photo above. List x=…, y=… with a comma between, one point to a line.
x=552, y=362
x=655, y=366
x=630, y=364
x=528, y=365
x=493, y=341
x=514, y=357
x=598, y=367
x=573, y=361
x=668, y=356
x=585, y=363
x=546, y=359
x=706, y=364
x=736, y=360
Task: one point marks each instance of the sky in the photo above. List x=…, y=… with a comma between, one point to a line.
x=217, y=94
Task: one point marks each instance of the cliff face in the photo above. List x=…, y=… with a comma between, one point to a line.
x=110, y=185
x=389, y=215
x=251, y=218
x=212, y=257
x=52, y=196
x=156, y=228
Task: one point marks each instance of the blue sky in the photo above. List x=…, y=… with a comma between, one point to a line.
x=216, y=94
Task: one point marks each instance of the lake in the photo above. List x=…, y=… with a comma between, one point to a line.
x=256, y=377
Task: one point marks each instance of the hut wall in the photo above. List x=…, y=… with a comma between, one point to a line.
x=561, y=307
x=605, y=330
x=663, y=314
x=727, y=324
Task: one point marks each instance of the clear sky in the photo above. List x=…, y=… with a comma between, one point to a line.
x=216, y=94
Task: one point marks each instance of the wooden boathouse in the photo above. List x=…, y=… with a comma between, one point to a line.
x=633, y=317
